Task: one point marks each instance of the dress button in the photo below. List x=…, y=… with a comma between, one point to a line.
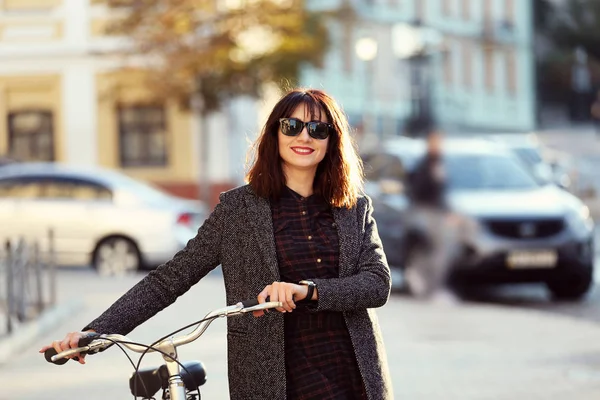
x=318, y=260
x=310, y=238
x=303, y=212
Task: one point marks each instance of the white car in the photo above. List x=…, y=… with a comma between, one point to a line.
x=98, y=216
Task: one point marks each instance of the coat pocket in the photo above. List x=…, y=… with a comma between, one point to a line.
x=237, y=327
x=237, y=333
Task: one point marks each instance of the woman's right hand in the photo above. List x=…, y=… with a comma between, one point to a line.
x=70, y=341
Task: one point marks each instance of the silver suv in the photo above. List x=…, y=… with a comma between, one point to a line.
x=513, y=227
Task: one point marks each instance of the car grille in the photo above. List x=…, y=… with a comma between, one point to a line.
x=526, y=228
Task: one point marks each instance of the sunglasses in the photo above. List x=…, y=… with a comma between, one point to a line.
x=316, y=130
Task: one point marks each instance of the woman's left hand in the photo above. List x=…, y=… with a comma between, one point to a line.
x=284, y=292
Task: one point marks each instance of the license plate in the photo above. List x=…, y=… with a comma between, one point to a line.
x=532, y=259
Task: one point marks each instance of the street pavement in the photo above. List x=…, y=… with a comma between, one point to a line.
x=469, y=351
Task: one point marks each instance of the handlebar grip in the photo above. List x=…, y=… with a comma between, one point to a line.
x=84, y=341
x=48, y=354
x=249, y=303
x=253, y=302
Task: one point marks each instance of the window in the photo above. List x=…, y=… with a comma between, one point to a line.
x=487, y=14
x=421, y=7
x=142, y=136
x=73, y=189
x=448, y=64
x=50, y=188
x=20, y=188
x=509, y=11
x=489, y=70
x=511, y=72
x=446, y=7
x=31, y=135
x=467, y=64
x=90, y=191
x=466, y=9
x=348, y=47
x=479, y=172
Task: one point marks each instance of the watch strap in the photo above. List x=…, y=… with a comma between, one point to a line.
x=310, y=285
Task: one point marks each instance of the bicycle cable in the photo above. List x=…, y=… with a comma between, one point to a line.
x=168, y=355
x=130, y=361
x=118, y=342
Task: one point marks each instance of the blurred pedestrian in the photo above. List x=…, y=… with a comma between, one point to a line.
x=428, y=269
x=300, y=233
x=581, y=92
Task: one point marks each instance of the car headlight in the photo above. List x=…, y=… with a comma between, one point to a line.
x=580, y=219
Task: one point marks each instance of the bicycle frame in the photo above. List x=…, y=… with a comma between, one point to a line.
x=168, y=346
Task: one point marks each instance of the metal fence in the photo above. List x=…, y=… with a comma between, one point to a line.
x=27, y=281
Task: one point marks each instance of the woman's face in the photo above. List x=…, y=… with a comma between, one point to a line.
x=302, y=152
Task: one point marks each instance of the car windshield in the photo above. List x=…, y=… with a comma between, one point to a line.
x=528, y=154
x=483, y=172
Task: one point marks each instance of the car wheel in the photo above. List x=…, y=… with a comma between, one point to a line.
x=571, y=286
x=116, y=256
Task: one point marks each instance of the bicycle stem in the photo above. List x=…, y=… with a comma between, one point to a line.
x=176, y=384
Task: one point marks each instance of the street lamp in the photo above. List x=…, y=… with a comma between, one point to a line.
x=366, y=50
x=416, y=44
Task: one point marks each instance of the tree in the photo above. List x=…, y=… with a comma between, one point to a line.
x=205, y=51
x=571, y=24
x=221, y=48
x=542, y=13
x=562, y=27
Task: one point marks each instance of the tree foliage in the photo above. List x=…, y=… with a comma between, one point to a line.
x=220, y=48
x=571, y=24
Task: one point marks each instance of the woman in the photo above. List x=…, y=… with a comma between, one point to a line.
x=299, y=227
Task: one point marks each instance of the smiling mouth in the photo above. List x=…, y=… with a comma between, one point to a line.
x=302, y=151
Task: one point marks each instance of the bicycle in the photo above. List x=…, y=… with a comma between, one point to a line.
x=178, y=381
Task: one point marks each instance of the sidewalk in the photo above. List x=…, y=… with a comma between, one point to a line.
x=26, y=333
x=467, y=352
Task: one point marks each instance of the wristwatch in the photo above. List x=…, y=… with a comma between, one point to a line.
x=311, y=289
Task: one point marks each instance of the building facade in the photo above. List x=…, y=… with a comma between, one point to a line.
x=66, y=95
x=480, y=69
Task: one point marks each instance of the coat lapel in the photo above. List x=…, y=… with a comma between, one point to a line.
x=259, y=217
x=347, y=226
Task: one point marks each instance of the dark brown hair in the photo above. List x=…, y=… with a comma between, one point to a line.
x=339, y=176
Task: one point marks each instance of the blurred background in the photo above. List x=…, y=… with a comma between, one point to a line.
x=123, y=120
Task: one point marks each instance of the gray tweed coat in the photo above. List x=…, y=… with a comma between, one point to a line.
x=239, y=235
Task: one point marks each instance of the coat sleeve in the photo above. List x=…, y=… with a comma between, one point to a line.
x=370, y=286
x=161, y=287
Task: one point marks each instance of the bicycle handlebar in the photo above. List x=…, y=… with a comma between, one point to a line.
x=94, y=343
